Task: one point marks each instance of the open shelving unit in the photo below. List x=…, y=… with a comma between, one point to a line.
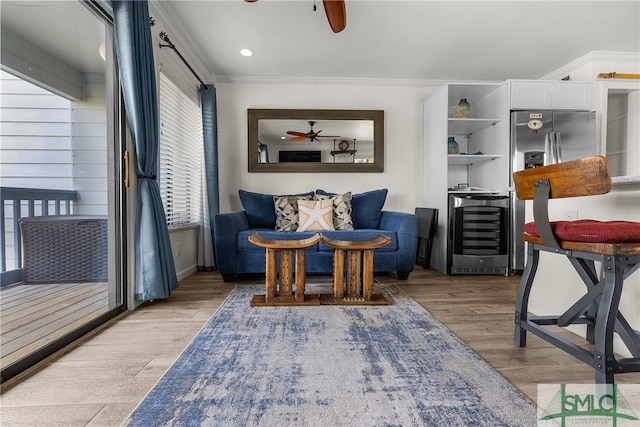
x=485, y=131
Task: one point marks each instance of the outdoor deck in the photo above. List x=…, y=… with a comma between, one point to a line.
x=33, y=315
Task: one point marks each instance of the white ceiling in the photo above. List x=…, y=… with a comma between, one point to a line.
x=414, y=40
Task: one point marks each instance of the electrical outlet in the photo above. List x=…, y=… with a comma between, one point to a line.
x=571, y=215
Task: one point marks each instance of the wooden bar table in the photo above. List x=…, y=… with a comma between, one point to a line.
x=353, y=264
x=283, y=294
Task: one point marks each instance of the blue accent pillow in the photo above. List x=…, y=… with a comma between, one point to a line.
x=366, y=208
x=260, y=209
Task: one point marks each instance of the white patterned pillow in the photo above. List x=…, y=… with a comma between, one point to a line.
x=287, y=212
x=315, y=215
x=341, y=209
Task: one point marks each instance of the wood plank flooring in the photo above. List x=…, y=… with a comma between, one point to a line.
x=33, y=315
x=100, y=380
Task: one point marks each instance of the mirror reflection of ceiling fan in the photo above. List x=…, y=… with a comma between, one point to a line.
x=311, y=135
x=336, y=13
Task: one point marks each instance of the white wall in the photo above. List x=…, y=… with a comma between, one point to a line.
x=184, y=245
x=403, y=140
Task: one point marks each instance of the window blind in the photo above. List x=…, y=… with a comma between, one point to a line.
x=180, y=155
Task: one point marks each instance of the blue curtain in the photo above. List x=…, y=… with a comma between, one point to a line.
x=155, y=271
x=210, y=140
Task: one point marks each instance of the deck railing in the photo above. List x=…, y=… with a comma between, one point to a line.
x=25, y=202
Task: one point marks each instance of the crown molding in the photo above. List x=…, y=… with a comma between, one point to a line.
x=339, y=81
x=592, y=57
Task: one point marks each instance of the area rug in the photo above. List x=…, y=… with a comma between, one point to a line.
x=392, y=365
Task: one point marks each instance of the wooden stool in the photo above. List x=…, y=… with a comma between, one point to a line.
x=358, y=273
x=284, y=295
x=614, y=244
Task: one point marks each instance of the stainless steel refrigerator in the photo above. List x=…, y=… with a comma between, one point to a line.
x=542, y=137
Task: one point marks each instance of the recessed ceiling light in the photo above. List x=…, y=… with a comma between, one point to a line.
x=246, y=52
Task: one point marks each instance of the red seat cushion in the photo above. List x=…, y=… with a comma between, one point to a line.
x=592, y=231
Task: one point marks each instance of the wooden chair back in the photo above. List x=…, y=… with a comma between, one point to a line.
x=583, y=177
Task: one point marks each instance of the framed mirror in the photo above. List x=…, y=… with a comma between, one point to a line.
x=316, y=140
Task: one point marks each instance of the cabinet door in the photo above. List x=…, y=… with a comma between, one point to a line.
x=550, y=95
x=530, y=95
x=571, y=96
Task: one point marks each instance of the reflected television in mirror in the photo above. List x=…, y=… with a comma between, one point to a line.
x=299, y=156
x=340, y=140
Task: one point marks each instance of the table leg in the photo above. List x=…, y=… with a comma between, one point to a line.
x=367, y=274
x=353, y=271
x=271, y=275
x=286, y=272
x=338, y=273
x=300, y=274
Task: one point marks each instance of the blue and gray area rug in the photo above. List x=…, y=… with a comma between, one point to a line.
x=370, y=366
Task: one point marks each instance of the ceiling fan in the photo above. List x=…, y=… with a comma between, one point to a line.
x=336, y=13
x=311, y=135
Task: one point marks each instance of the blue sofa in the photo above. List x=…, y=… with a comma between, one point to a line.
x=236, y=255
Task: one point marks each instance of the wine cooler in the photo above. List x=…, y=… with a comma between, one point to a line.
x=478, y=234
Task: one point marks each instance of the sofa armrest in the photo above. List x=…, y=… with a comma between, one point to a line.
x=226, y=227
x=406, y=226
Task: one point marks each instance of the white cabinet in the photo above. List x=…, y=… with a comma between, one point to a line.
x=485, y=132
x=550, y=95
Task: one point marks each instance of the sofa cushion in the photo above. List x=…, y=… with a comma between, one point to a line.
x=341, y=210
x=287, y=212
x=315, y=215
x=366, y=207
x=260, y=209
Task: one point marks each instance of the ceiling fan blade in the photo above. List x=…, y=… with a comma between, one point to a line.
x=336, y=14
x=292, y=132
x=299, y=138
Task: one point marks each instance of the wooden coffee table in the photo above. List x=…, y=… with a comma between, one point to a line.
x=357, y=273
x=282, y=293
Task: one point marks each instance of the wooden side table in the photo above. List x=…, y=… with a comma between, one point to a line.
x=353, y=264
x=283, y=294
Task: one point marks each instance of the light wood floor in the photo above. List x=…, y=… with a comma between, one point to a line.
x=100, y=381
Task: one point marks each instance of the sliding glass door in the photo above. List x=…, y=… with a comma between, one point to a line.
x=62, y=237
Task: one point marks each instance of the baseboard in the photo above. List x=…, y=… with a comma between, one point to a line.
x=187, y=272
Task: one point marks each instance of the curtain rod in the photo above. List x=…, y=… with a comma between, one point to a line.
x=165, y=38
